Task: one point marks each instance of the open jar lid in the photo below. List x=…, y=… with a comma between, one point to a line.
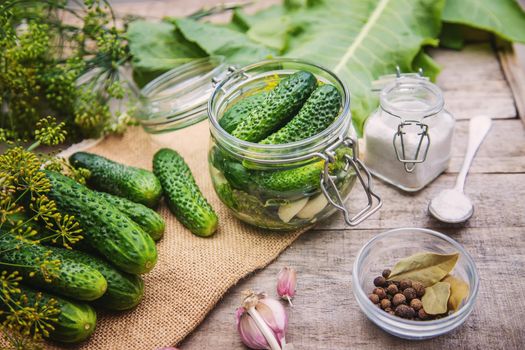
x=179, y=97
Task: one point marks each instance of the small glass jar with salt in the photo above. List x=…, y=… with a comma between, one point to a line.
x=408, y=138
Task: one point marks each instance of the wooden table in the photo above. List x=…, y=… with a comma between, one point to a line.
x=326, y=315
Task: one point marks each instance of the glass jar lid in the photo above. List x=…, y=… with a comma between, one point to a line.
x=179, y=97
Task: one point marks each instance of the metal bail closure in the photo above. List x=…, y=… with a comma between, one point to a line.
x=329, y=187
x=419, y=156
x=230, y=71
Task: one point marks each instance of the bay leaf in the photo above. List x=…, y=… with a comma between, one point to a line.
x=427, y=268
x=435, y=300
x=459, y=291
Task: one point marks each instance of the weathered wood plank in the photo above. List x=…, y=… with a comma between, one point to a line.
x=497, y=198
x=326, y=315
x=502, y=151
x=514, y=70
x=473, y=82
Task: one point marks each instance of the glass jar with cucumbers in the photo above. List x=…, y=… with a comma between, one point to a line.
x=283, y=151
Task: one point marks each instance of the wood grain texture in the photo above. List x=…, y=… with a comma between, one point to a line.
x=326, y=315
x=514, y=69
x=473, y=82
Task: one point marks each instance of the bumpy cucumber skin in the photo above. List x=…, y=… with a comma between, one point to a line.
x=73, y=279
x=137, y=185
x=148, y=219
x=281, y=104
x=76, y=321
x=124, y=290
x=182, y=194
x=305, y=178
x=234, y=115
x=317, y=113
x=104, y=227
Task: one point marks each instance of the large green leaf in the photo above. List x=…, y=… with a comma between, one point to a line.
x=361, y=40
x=502, y=17
x=222, y=41
x=158, y=47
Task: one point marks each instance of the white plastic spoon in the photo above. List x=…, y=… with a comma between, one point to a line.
x=452, y=205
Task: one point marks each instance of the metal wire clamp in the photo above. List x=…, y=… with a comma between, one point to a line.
x=410, y=163
x=328, y=183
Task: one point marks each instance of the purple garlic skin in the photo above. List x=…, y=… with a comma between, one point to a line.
x=286, y=283
x=262, y=322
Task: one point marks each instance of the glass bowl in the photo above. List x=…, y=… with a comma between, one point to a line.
x=383, y=251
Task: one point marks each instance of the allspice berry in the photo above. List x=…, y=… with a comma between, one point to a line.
x=398, y=299
x=386, y=273
x=416, y=304
x=405, y=311
x=392, y=289
x=423, y=315
x=380, y=281
x=419, y=288
x=385, y=304
x=380, y=292
x=410, y=293
x=373, y=298
x=404, y=284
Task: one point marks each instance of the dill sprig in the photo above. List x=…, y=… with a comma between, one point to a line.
x=31, y=217
x=51, y=66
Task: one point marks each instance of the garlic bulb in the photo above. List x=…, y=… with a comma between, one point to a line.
x=262, y=322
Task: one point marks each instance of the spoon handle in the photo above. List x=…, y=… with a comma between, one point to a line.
x=478, y=128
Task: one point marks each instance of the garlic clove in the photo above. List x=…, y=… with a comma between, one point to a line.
x=287, y=283
x=287, y=211
x=250, y=334
x=262, y=322
x=274, y=315
x=313, y=207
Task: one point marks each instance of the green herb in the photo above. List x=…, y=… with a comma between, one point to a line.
x=504, y=18
x=435, y=300
x=426, y=268
x=45, y=64
x=23, y=190
x=459, y=291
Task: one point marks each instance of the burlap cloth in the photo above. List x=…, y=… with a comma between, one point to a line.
x=192, y=273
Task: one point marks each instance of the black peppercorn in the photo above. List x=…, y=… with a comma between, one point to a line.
x=419, y=288
x=386, y=273
x=373, y=298
x=404, y=284
x=409, y=293
x=380, y=281
x=405, y=311
x=398, y=299
x=392, y=289
x=385, y=304
x=380, y=292
x=416, y=304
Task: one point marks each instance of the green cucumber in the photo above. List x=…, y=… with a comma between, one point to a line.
x=75, y=322
x=281, y=104
x=302, y=179
x=184, y=197
x=148, y=219
x=114, y=235
x=124, y=290
x=69, y=278
x=137, y=185
x=235, y=114
x=318, y=112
